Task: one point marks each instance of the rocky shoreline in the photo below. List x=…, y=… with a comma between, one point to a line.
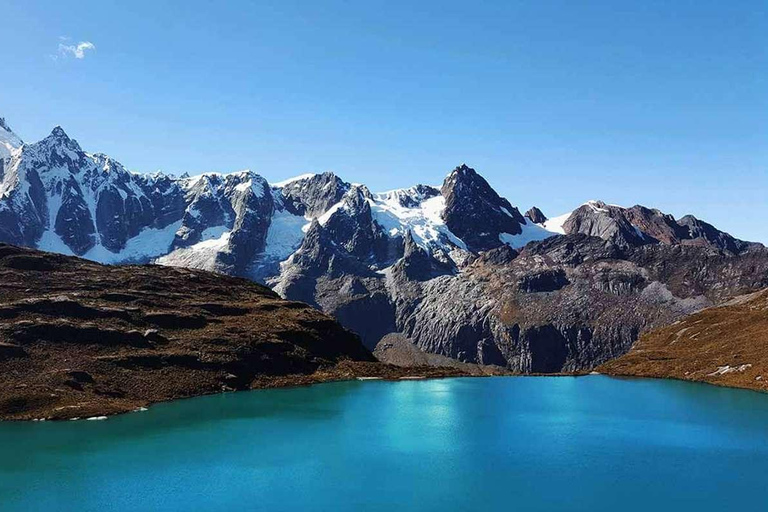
x=343, y=371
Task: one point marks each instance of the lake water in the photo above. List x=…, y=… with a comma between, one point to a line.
x=524, y=443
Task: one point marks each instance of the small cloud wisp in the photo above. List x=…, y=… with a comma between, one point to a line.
x=76, y=50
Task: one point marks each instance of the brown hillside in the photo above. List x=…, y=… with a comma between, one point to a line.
x=80, y=339
x=726, y=345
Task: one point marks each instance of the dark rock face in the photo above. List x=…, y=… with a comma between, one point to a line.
x=475, y=212
x=698, y=232
x=417, y=265
x=313, y=196
x=547, y=280
x=571, y=302
x=352, y=226
x=253, y=205
x=122, y=211
x=73, y=222
x=166, y=197
x=499, y=256
x=536, y=216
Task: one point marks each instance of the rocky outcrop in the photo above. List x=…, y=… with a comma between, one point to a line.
x=475, y=212
x=536, y=216
x=604, y=221
x=313, y=196
x=570, y=303
x=639, y=225
x=352, y=227
x=398, y=350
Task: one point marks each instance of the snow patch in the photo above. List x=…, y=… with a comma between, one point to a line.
x=324, y=218
x=722, y=370
x=506, y=211
x=555, y=224
x=148, y=244
x=531, y=233
x=285, y=234
x=202, y=255
x=424, y=221
x=281, y=184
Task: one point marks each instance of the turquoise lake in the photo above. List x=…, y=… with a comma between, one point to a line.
x=522, y=443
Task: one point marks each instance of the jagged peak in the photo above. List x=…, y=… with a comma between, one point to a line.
x=463, y=169
x=688, y=219
x=359, y=191
x=59, y=132
x=536, y=215
x=462, y=173
x=465, y=179
x=108, y=164
x=410, y=197
x=59, y=138
x=409, y=244
x=595, y=204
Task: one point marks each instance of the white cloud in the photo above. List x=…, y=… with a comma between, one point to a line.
x=76, y=50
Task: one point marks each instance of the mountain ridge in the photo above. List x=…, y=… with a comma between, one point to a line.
x=424, y=262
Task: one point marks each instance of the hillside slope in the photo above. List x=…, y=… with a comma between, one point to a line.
x=79, y=339
x=726, y=345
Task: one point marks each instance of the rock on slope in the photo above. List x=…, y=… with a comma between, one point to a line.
x=726, y=345
x=79, y=339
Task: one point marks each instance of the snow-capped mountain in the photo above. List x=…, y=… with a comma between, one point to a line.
x=57, y=197
x=425, y=262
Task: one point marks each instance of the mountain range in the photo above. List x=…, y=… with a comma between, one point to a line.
x=454, y=270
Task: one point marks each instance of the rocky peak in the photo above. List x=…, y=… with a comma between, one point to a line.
x=416, y=264
x=609, y=222
x=410, y=247
x=536, y=216
x=352, y=227
x=59, y=132
x=475, y=212
x=698, y=232
x=59, y=138
x=57, y=150
x=317, y=255
x=356, y=200
x=313, y=196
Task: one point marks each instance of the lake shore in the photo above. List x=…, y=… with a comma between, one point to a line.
x=343, y=371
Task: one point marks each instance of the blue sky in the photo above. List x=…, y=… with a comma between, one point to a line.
x=663, y=103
